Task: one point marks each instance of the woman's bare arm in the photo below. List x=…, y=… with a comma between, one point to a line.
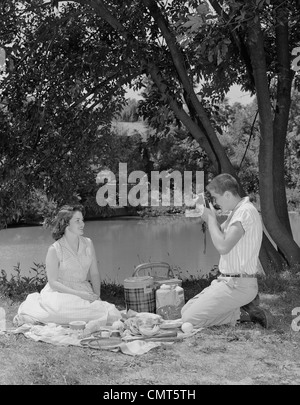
x=94, y=272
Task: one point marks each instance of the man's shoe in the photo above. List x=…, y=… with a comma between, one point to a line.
x=244, y=316
x=261, y=316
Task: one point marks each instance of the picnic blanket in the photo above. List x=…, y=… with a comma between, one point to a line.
x=132, y=343
x=60, y=336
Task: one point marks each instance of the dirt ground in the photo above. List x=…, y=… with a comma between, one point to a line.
x=243, y=355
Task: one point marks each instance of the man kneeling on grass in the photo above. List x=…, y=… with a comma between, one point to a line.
x=234, y=295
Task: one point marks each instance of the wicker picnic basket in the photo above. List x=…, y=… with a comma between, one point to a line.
x=139, y=290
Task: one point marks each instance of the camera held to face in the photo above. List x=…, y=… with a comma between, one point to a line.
x=210, y=199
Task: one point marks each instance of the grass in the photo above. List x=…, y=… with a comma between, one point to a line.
x=285, y=285
x=245, y=354
x=17, y=287
x=279, y=292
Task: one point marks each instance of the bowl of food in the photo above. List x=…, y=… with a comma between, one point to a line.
x=77, y=325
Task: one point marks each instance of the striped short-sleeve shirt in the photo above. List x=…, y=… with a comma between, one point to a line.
x=243, y=257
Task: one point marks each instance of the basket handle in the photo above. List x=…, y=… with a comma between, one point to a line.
x=152, y=265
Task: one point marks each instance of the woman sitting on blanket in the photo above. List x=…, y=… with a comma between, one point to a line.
x=73, y=288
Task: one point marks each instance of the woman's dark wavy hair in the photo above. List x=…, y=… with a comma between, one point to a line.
x=62, y=219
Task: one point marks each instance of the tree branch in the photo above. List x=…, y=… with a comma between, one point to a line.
x=104, y=13
x=238, y=41
x=250, y=136
x=194, y=129
x=94, y=89
x=179, y=63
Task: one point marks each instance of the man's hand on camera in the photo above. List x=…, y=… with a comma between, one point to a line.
x=209, y=212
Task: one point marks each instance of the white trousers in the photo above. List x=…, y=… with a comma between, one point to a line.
x=220, y=303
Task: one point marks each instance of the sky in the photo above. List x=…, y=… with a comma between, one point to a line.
x=235, y=94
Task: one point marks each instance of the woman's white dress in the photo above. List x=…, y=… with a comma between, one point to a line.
x=52, y=306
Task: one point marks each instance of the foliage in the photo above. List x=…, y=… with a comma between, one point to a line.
x=37, y=208
x=17, y=287
x=241, y=141
x=292, y=152
x=49, y=121
x=129, y=112
x=112, y=292
x=286, y=282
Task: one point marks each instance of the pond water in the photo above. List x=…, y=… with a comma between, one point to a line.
x=121, y=244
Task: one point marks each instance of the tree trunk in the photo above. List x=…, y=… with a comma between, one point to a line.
x=282, y=110
x=276, y=229
x=269, y=258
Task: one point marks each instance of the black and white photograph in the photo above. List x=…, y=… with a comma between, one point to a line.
x=149, y=195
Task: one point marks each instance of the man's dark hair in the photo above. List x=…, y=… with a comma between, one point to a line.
x=223, y=182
